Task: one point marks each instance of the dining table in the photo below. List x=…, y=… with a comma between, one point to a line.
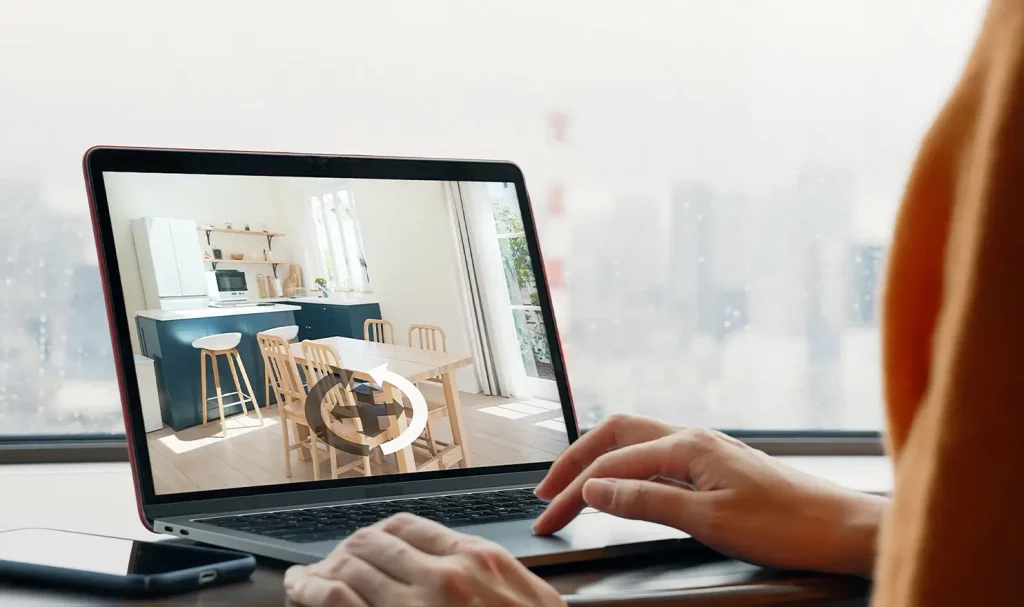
x=359, y=357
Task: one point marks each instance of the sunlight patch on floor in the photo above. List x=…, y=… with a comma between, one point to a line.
x=525, y=408
x=237, y=426
x=544, y=404
x=551, y=424
x=501, y=412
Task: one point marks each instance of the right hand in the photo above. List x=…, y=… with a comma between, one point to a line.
x=729, y=496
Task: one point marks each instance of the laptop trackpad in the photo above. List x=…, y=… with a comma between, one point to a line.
x=588, y=532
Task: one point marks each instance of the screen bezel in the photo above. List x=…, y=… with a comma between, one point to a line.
x=208, y=162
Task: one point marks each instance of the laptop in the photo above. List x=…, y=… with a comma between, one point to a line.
x=393, y=349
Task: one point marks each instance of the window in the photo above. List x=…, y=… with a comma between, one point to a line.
x=522, y=284
x=339, y=240
x=714, y=194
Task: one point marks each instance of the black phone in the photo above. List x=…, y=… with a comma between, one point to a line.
x=114, y=565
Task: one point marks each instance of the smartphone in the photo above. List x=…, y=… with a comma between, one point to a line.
x=114, y=565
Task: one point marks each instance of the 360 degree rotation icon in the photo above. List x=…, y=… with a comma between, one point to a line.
x=380, y=375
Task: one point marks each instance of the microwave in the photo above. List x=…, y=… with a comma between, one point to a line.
x=227, y=285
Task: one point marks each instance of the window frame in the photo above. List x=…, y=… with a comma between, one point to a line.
x=36, y=449
x=55, y=449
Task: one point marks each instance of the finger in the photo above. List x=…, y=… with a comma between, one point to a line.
x=315, y=591
x=615, y=432
x=424, y=535
x=373, y=585
x=388, y=553
x=650, y=501
x=669, y=456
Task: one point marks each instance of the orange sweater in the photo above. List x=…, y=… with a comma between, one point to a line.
x=954, y=344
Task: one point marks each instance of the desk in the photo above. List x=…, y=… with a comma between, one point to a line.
x=98, y=498
x=740, y=588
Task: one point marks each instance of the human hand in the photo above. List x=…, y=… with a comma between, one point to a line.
x=407, y=560
x=729, y=496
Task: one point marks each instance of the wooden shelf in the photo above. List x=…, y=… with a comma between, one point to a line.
x=273, y=263
x=268, y=235
x=234, y=231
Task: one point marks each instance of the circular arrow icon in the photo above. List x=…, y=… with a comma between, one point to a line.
x=418, y=422
x=367, y=413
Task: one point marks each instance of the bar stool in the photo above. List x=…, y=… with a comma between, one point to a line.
x=287, y=333
x=223, y=344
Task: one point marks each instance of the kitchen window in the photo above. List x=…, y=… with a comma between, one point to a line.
x=716, y=194
x=340, y=242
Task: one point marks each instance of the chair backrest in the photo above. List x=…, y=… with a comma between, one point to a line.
x=281, y=367
x=322, y=361
x=380, y=331
x=425, y=337
x=287, y=332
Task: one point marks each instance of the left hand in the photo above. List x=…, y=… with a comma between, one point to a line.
x=407, y=560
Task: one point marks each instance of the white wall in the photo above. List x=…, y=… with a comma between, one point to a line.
x=409, y=240
x=205, y=199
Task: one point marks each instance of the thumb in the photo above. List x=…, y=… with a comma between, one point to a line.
x=647, y=501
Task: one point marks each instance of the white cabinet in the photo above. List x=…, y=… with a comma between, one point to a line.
x=170, y=262
x=149, y=396
x=189, y=258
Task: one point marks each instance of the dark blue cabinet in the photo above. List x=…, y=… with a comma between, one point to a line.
x=169, y=344
x=317, y=321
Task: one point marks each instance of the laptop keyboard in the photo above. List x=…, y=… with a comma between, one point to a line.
x=336, y=522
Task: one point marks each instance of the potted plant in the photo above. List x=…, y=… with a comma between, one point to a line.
x=321, y=283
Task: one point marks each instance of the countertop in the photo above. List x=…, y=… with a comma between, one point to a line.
x=336, y=299
x=214, y=312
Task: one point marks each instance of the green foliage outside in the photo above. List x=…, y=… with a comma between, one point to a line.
x=520, y=267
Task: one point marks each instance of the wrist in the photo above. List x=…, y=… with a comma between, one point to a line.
x=860, y=524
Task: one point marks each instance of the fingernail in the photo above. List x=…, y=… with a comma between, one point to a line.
x=598, y=492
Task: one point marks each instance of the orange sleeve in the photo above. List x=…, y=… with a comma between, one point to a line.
x=953, y=324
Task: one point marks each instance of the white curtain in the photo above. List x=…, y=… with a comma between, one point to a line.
x=495, y=343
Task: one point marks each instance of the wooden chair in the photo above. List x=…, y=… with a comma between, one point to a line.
x=224, y=344
x=377, y=330
x=322, y=361
x=291, y=398
x=428, y=337
x=289, y=333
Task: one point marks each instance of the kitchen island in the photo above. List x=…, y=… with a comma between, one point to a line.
x=340, y=315
x=166, y=336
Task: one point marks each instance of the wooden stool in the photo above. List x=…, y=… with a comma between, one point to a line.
x=223, y=344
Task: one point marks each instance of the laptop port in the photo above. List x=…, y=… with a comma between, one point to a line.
x=183, y=531
x=205, y=577
x=168, y=529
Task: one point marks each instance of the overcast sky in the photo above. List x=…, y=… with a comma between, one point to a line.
x=740, y=94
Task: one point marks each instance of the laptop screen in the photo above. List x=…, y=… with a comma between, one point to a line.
x=410, y=309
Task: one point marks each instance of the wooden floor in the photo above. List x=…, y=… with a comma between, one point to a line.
x=199, y=459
